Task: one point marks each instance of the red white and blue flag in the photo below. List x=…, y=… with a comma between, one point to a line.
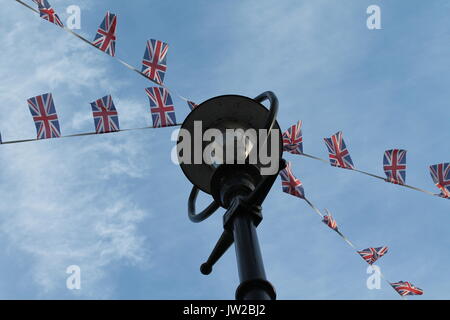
x=370, y=255
x=161, y=107
x=394, y=165
x=47, y=12
x=290, y=184
x=406, y=289
x=106, y=118
x=338, y=153
x=440, y=173
x=293, y=139
x=154, y=64
x=192, y=105
x=44, y=115
x=330, y=221
x=105, y=39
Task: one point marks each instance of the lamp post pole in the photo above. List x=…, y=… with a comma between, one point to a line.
x=254, y=285
x=235, y=185
x=240, y=189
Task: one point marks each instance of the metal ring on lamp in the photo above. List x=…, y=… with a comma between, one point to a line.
x=208, y=211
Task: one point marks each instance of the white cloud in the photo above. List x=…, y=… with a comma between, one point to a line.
x=63, y=202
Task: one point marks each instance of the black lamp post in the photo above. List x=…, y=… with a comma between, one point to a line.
x=239, y=188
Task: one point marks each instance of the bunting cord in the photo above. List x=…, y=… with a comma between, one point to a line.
x=87, y=134
x=374, y=176
x=317, y=211
x=28, y=6
x=127, y=65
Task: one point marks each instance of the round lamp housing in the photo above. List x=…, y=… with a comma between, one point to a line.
x=234, y=119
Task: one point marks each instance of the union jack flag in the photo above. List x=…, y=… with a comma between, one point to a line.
x=291, y=184
x=394, y=165
x=44, y=115
x=370, y=255
x=441, y=177
x=161, y=107
x=106, y=118
x=154, y=65
x=47, y=13
x=330, y=222
x=338, y=153
x=406, y=289
x=293, y=139
x=192, y=105
x=105, y=39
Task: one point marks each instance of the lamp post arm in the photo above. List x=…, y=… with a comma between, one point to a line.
x=205, y=213
x=222, y=245
x=273, y=111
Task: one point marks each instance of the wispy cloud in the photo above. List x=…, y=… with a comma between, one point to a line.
x=65, y=201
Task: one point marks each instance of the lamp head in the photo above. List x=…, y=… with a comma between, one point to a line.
x=227, y=130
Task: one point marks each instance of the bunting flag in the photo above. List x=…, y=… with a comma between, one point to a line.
x=338, y=153
x=330, y=222
x=192, y=105
x=154, y=64
x=406, y=289
x=161, y=107
x=394, y=165
x=44, y=115
x=106, y=118
x=290, y=184
x=370, y=255
x=293, y=139
x=47, y=12
x=440, y=173
x=105, y=39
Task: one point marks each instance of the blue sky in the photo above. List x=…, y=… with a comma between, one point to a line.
x=116, y=205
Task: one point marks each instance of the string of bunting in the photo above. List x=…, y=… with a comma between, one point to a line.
x=154, y=67
x=106, y=118
x=394, y=161
x=394, y=165
x=293, y=186
x=154, y=64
